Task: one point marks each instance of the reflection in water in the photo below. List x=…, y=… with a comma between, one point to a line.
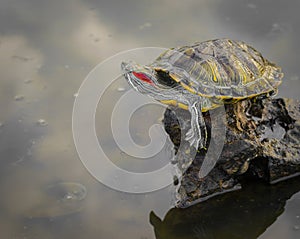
x=241, y=214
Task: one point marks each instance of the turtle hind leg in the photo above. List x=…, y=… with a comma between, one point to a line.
x=242, y=121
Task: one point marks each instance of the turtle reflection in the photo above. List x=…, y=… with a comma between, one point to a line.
x=241, y=214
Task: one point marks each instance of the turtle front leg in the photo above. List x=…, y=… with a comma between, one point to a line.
x=193, y=136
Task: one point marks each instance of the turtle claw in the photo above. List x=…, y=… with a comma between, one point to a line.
x=189, y=135
x=193, y=139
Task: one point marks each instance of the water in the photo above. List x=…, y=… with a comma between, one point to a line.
x=47, y=48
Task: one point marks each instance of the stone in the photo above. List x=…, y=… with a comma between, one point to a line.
x=262, y=142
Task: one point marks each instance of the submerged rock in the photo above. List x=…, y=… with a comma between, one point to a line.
x=262, y=141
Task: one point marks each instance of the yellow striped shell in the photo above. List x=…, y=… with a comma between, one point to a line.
x=223, y=69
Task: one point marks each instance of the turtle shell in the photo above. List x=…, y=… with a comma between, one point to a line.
x=221, y=68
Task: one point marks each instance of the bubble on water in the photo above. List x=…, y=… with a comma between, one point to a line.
x=42, y=122
x=297, y=216
x=27, y=81
x=19, y=97
x=73, y=191
x=59, y=199
x=68, y=197
x=296, y=227
x=279, y=28
x=75, y=95
x=275, y=26
x=67, y=66
x=121, y=89
x=145, y=25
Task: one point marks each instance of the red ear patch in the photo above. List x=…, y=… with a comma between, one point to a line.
x=143, y=77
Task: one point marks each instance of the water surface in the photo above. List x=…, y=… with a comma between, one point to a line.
x=47, y=48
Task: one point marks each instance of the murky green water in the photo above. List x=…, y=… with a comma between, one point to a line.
x=47, y=48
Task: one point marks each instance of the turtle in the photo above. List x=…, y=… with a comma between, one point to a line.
x=204, y=76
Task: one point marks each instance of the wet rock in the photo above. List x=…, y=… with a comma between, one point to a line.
x=262, y=142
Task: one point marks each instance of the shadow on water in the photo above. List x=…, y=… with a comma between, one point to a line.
x=241, y=214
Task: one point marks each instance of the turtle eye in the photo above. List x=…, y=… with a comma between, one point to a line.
x=143, y=77
x=165, y=79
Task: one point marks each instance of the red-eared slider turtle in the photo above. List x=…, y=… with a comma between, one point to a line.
x=204, y=76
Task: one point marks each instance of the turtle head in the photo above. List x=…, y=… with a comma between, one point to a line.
x=141, y=78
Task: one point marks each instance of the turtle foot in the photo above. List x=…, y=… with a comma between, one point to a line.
x=194, y=139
